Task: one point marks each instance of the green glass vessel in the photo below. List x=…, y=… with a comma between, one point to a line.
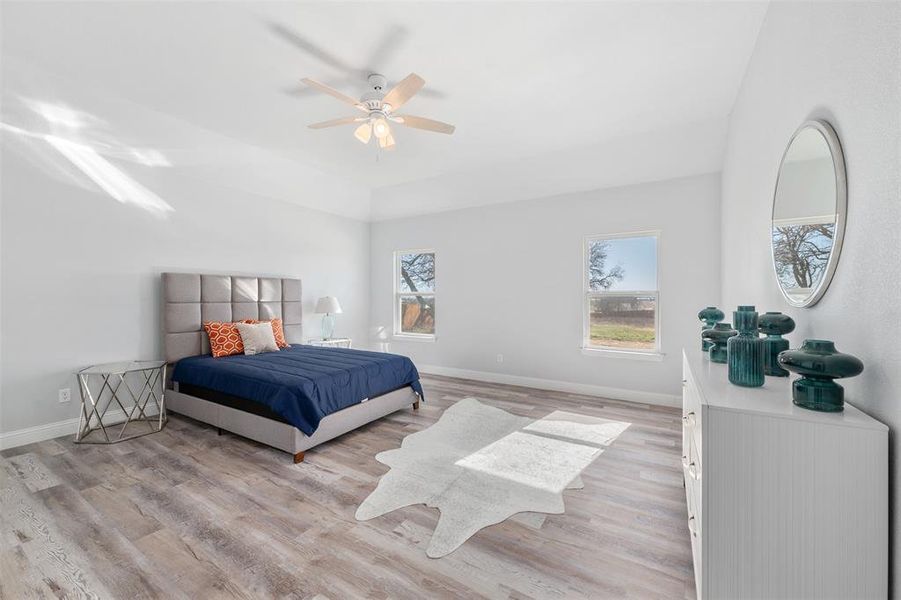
x=744, y=352
x=774, y=325
x=818, y=363
x=717, y=338
x=710, y=316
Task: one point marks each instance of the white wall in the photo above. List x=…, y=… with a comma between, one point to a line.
x=841, y=62
x=509, y=281
x=80, y=271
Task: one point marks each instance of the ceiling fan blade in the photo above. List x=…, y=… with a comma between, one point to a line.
x=336, y=122
x=334, y=93
x=423, y=123
x=403, y=91
x=387, y=142
x=363, y=132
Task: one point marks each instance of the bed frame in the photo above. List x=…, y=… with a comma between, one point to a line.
x=189, y=299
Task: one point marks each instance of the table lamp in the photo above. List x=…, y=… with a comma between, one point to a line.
x=328, y=307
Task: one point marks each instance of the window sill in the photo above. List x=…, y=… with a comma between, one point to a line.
x=627, y=354
x=402, y=337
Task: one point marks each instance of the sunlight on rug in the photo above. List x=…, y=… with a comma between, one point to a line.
x=480, y=465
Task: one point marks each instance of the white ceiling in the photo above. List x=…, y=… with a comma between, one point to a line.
x=520, y=81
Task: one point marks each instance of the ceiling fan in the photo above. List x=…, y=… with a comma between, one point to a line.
x=379, y=109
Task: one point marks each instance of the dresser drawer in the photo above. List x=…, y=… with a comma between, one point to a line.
x=691, y=415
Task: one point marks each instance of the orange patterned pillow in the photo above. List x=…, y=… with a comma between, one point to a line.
x=279, y=331
x=225, y=339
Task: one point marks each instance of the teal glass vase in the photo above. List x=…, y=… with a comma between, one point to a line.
x=774, y=325
x=744, y=352
x=819, y=363
x=710, y=316
x=717, y=338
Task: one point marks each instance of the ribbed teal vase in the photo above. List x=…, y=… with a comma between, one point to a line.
x=717, y=338
x=774, y=325
x=818, y=363
x=745, y=350
x=710, y=316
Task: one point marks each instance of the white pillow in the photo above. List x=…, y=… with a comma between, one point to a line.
x=257, y=337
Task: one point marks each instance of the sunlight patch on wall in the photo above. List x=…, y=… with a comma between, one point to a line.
x=70, y=136
x=109, y=178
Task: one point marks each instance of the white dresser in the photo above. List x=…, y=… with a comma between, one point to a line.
x=783, y=502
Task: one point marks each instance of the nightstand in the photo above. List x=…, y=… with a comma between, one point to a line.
x=120, y=382
x=331, y=342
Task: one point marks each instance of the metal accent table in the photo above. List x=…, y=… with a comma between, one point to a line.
x=330, y=342
x=150, y=375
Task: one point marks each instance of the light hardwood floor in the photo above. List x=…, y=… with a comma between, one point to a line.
x=188, y=514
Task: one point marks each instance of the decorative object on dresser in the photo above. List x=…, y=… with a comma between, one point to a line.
x=710, y=316
x=774, y=325
x=328, y=307
x=782, y=502
x=809, y=213
x=818, y=363
x=330, y=343
x=717, y=337
x=745, y=350
x=117, y=380
x=480, y=465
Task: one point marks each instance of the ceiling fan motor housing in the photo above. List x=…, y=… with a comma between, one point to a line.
x=377, y=82
x=373, y=98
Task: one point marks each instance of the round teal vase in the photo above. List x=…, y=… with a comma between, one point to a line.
x=710, y=316
x=717, y=338
x=744, y=352
x=818, y=363
x=774, y=325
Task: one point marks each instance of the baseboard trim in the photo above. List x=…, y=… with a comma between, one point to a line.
x=556, y=385
x=48, y=431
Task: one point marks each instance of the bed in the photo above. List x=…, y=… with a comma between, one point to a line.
x=293, y=399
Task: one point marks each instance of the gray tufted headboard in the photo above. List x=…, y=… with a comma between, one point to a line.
x=190, y=299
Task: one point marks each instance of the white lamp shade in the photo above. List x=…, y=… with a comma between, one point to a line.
x=328, y=305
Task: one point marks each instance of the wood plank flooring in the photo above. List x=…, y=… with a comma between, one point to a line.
x=186, y=513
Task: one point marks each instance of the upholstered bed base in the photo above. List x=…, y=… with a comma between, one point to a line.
x=282, y=435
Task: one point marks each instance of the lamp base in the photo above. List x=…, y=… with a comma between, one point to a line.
x=328, y=326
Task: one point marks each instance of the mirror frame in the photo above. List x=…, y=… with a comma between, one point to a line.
x=841, y=209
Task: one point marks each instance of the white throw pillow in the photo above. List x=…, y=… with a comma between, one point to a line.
x=257, y=337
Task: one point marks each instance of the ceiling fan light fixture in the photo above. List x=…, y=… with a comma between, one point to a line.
x=380, y=128
x=363, y=132
x=387, y=142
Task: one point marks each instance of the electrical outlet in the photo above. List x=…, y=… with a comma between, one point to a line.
x=500, y=358
x=65, y=395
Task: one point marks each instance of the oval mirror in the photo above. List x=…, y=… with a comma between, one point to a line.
x=809, y=208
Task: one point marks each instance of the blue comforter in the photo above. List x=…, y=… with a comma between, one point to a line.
x=303, y=384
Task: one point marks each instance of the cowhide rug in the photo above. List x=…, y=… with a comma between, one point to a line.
x=480, y=465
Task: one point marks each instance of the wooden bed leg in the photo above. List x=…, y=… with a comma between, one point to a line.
x=219, y=431
x=416, y=405
x=298, y=458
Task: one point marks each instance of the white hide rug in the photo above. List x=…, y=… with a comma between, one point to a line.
x=480, y=465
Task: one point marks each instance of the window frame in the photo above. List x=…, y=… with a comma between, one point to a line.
x=588, y=294
x=398, y=294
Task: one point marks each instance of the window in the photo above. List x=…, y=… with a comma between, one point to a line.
x=621, y=298
x=414, y=293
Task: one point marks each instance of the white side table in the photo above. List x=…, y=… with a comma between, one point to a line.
x=114, y=378
x=331, y=342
